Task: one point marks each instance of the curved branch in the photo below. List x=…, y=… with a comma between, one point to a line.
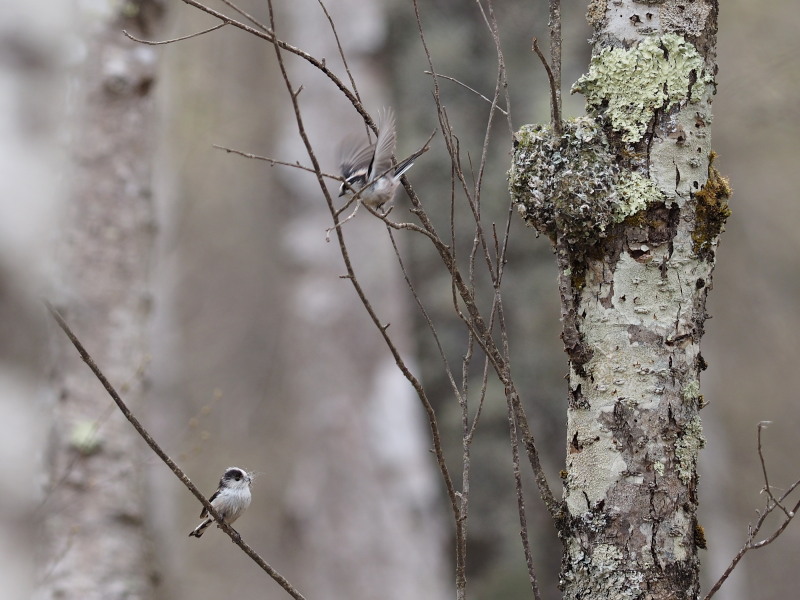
x=173, y=40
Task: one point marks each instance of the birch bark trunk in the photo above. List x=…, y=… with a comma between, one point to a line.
x=95, y=541
x=635, y=208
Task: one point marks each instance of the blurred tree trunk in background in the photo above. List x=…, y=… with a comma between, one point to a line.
x=96, y=545
x=95, y=528
x=275, y=364
x=32, y=38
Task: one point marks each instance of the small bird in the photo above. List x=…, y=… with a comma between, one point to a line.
x=230, y=500
x=367, y=168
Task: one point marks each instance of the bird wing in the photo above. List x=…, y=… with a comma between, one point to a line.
x=384, y=147
x=204, y=514
x=354, y=153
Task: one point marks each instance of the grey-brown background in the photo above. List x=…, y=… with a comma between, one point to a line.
x=261, y=357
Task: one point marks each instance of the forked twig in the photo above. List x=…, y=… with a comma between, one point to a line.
x=771, y=504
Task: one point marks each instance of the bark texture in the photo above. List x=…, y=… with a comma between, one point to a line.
x=95, y=543
x=635, y=208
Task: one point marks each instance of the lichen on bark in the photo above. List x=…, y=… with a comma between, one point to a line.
x=635, y=212
x=573, y=185
x=630, y=84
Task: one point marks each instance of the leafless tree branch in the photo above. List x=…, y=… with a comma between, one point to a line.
x=416, y=384
x=155, y=447
x=554, y=24
x=275, y=161
x=753, y=530
x=487, y=248
x=173, y=40
x=466, y=87
x=555, y=102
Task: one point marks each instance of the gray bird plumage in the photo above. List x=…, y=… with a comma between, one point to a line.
x=367, y=167
x=230, y=500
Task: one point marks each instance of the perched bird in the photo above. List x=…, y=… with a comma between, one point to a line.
x=230, y=500
x=367, y=168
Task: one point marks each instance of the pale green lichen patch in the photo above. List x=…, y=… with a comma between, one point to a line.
x=606, y=575
x=629, y=85
x=572, y=185
x=635, y=193
x=691, y=390
x=84, y=438
x=687, y=447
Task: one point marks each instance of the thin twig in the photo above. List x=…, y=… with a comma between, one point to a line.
x=341, y=51
x=232, y=533
x=475, y=321
x=416, y=384
x=466, y=87
x=173, y=40
x=753, y=531
x=267, y=34
x=767, y=488
x=555, y=109
x=274, y=161
x=426, y=317
x=247, y=16
x=523, y=519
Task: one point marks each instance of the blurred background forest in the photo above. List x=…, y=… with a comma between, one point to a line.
x=258, y=355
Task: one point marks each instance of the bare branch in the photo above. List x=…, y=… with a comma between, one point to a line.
x=341, y=51
x=753, y=530
x=274, y=161
x=767, y=488
x=247, y=16
x=178, y=39
x=431, y=413
x=466, y=87
x=523, y=519
x=473, y=319
x=555, y=104
x=267, y=34
x=155, y=447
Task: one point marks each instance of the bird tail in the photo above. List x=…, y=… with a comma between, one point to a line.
x=404, y=166
x=200, y=529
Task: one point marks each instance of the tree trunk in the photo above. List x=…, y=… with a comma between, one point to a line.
x=634, y=208
x=95, y=538
x=32, y=98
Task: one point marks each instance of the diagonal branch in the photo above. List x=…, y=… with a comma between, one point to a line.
x=155, y=447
